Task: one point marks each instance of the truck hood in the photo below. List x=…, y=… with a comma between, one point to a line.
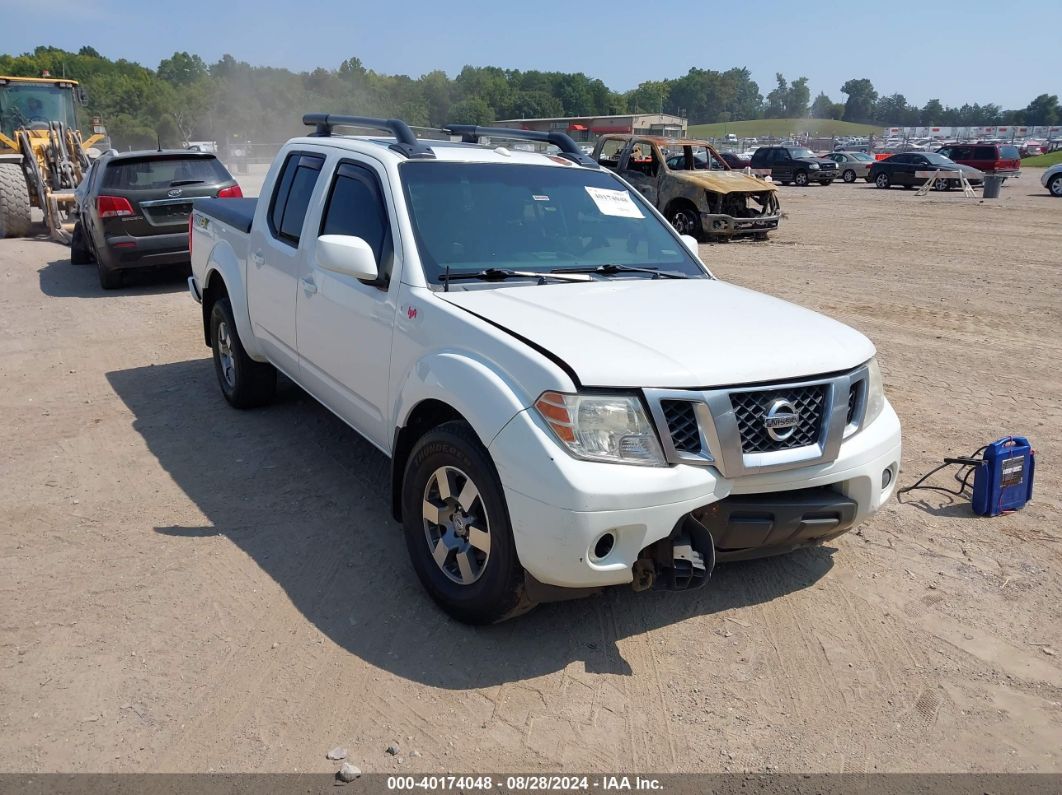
x=724, y=181
x=683, y=333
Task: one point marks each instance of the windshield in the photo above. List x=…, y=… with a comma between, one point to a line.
x=32, y=104
x=798, y=153
x=474, y=216
x=694, y=158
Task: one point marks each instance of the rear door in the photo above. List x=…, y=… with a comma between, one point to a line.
x=1009, y=159
x=159, y=189
x=275, y=259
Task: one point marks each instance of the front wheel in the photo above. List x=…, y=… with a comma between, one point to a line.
x=942, y=184
x=1055, y=185
x=685, y=221
x=800, y=179
x=882, y=180
x=457, y=527
x=244, y=382
x=849, y=176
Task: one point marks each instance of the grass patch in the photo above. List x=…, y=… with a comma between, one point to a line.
x=780, y=128
x=1050, y=159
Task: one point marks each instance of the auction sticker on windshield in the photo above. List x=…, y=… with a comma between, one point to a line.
x=614, y=202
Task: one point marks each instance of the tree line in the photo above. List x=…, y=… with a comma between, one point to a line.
x=186, y=99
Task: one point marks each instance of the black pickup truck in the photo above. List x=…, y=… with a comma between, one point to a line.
x=794, y=165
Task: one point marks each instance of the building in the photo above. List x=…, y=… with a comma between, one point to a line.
x=587, y=128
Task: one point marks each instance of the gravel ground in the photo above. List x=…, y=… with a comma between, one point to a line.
x=188, y=588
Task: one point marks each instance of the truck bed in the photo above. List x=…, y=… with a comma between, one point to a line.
x=237, y=213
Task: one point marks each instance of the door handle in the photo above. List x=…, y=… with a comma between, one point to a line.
x=308, y=286
x=259, y=258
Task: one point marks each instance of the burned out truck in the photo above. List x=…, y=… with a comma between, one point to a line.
x=692, y=186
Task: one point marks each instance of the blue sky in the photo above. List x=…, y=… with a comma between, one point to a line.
x=964, y=51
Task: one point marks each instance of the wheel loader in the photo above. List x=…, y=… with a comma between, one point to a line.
x=42, y=154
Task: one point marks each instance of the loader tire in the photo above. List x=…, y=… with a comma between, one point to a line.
x=14, y=202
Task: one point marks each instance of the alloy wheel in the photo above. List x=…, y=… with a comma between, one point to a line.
x=456, y=527
x=225, y=355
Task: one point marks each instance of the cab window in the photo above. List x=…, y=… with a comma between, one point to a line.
x=287, y=210
x=356, y=207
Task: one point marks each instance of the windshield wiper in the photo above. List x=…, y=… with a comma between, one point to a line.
x=501, y=274
x=177, y=182
x=611, y=269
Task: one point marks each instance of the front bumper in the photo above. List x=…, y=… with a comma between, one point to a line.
x=824, y=176
x=560, y=507
x=719, y=225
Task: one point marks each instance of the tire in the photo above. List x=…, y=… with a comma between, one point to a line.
x=244, y=382
x=79, y=250
x=109, y=279
x=1055, y=185
x=849, y=176
x=685, y=221
x=786, y=182
x=825, y=182
x=15, y=219
x=461, y=543
x=882, y=180
x=800, y=179
x=942, y=184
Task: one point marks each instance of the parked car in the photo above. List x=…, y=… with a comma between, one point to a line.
x=543, y=358
x=133, y=208
x=735, y=161
x=852, y=165
x=1001, y=159
x=795, y=164
x=692, y=185
x=902, y=169
x=1052, y=179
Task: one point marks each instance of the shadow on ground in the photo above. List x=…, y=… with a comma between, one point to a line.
x=308, y=500
x=60, y=279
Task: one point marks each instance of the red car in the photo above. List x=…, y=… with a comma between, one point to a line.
x=1001, y=159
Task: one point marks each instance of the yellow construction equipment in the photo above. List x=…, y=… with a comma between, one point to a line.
x=42, y=154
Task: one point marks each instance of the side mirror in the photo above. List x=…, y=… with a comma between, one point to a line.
x=691, y=244
x=348, y=255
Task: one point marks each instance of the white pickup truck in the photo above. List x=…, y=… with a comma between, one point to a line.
x=569, y=398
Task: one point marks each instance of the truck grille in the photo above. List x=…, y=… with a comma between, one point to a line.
x=750, y=411
x=682, y=423
x=853, y=398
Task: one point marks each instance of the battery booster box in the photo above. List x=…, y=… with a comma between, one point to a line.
x=1003, y=481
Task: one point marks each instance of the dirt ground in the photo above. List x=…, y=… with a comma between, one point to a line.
x=184, y=587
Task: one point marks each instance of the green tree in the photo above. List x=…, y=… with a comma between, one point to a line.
x=859, y=106
x=1043, y=111
x=472, y=110
x=822, y=107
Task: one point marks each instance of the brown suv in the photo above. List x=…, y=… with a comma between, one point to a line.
x=692, y=186
x=1001, y=159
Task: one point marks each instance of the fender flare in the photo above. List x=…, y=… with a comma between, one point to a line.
x=224, y=265
x=467, y=386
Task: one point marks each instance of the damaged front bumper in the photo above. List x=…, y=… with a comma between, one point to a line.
x=719, y=225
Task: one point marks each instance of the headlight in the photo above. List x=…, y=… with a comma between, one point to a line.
x=875, y=393
x=610, y=428
x=814, y=166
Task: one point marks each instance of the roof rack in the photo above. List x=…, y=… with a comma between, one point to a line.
x=470, y=134
x=405, y=141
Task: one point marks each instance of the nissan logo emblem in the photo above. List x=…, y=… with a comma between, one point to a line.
x=781, y=420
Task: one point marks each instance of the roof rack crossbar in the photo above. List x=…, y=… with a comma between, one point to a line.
x=471, y=133
x=406, y=141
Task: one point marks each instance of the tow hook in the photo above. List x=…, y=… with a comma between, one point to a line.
x=681, y=562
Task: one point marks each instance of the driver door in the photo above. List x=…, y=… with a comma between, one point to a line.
x=643, y=169
x=345, y=325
